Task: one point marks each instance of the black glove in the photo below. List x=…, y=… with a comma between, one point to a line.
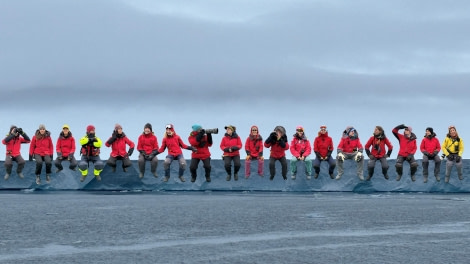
x=443, y=156
x=226, y=149
x=371, y=157
x=368, y=152
x=19, y=130
x=142, y=153
x=389, y=152
x=282, y=143
x=150, y=157
x=59, y=155
x=70, y=157
x=199, y=136
x=409, y=158
x=317, y=155
x=193, y=149
x=235, y=148
x=450, y=157
x=426, y=153
x=155, y=152
x=209, y=138
x=458, y=159
x=401, y=126
x=129, y=153
x=30, y=157
x=91, y=140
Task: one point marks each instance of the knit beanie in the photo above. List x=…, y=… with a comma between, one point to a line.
x=117, y=126
x=430, y=130
x=42, y=126
x=410, y=129
x=149, y=126
x=90, y=128
x=196, y=127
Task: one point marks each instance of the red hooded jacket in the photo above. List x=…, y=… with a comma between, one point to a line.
x=118, y=147
x=233, y=142
x=430, y=144
x=254, y=144
x=202, y=147
x=41, y=145
x=174, y=144
x=323, y=144
x=407, y=145
x=13, y=146
x=300, y=144
x=147, y=143
x=65, y=144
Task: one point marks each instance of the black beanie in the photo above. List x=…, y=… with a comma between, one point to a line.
x=149, y=126
x=430, y=130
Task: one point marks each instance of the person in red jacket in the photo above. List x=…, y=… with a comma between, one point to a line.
x=147, y=145
x=201, y=141
x=377, y=142
x=277, y=141
x=300, y=149
x=323, y=147
x=407, y=150
x=42, y=149
x=118, y=142
x=231, y=145
x=350, y=147
x=174, y=143
x=254, y=151
x=430, y=147
x=65, y=149
x=13, y=141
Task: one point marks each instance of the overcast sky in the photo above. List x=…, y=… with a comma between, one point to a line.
x=243, y=62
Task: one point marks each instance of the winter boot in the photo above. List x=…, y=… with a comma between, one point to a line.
x=166, y=178
x=235, y=176
x=315, y=176
x=332, y=176
x=447, y=179
x=82, y=179
x=398, y=177
x=284, y=177
x=48, y=178
x=425, y=178
x=370, y=173
x=155, y=174
x=38, y=179
x=309, y=177
x=293, y=176
x=182, y=179
x=7, y=176
x=338, y=176
x=413, y=178
x=141, y=175
x=113, y=169
x=208, y=179
x=228, y=177
x=20, y=174
x=438, y=178
x=98, y=177
x=384, y=172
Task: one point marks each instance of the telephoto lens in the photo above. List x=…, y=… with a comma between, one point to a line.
x=212, y=131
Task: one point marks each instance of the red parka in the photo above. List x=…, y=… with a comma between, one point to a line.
x=41, y=144
x=13, y=146
x=118, y=147
x=202, y=147
x=407, y=145
x=300, y=145
x=430, y=144
x=174, y=143
x=350, y=144
x=378, y=146
x=231, y=141
x=323, y=145
x=147, y=143
x=277, y=151
x=65, y=144
x=254, y=146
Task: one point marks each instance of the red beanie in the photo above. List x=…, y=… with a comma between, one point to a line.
x=90, y=128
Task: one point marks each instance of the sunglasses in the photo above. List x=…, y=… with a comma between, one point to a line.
x=300, y=130
x=168, y=127
x=323, y=129
x=254, y=130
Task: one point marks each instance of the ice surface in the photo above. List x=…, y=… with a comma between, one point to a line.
x=233, y=227
x=125, y=181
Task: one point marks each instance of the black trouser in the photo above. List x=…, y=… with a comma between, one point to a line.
x=195, y=162
x=9, y=163
x=272, y=166
x=228, y=164
x=39, y=160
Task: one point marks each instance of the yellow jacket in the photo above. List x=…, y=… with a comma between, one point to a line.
x=452, y=146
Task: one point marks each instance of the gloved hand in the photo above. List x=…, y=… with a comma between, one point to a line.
x=130, y=151
x=426, y=153
x=443, y=156
x=30, y=157
x=409, y=157
x=389, y=152
x=401, y=126
x=193, y=149
x=341, y=156
x=150, y=157
x=59, y=155
x=200, y=135
x=142, y=153
x=435, y=152
x=226, y=149
x=70, y=157
x=91, y=140
x=235, y=148
x=19, y=130
x=371, y=157
x=458, y=159
x=359, y=157
x=450, y=157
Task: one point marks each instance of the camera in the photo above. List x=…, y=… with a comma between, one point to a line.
x=212, y=130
